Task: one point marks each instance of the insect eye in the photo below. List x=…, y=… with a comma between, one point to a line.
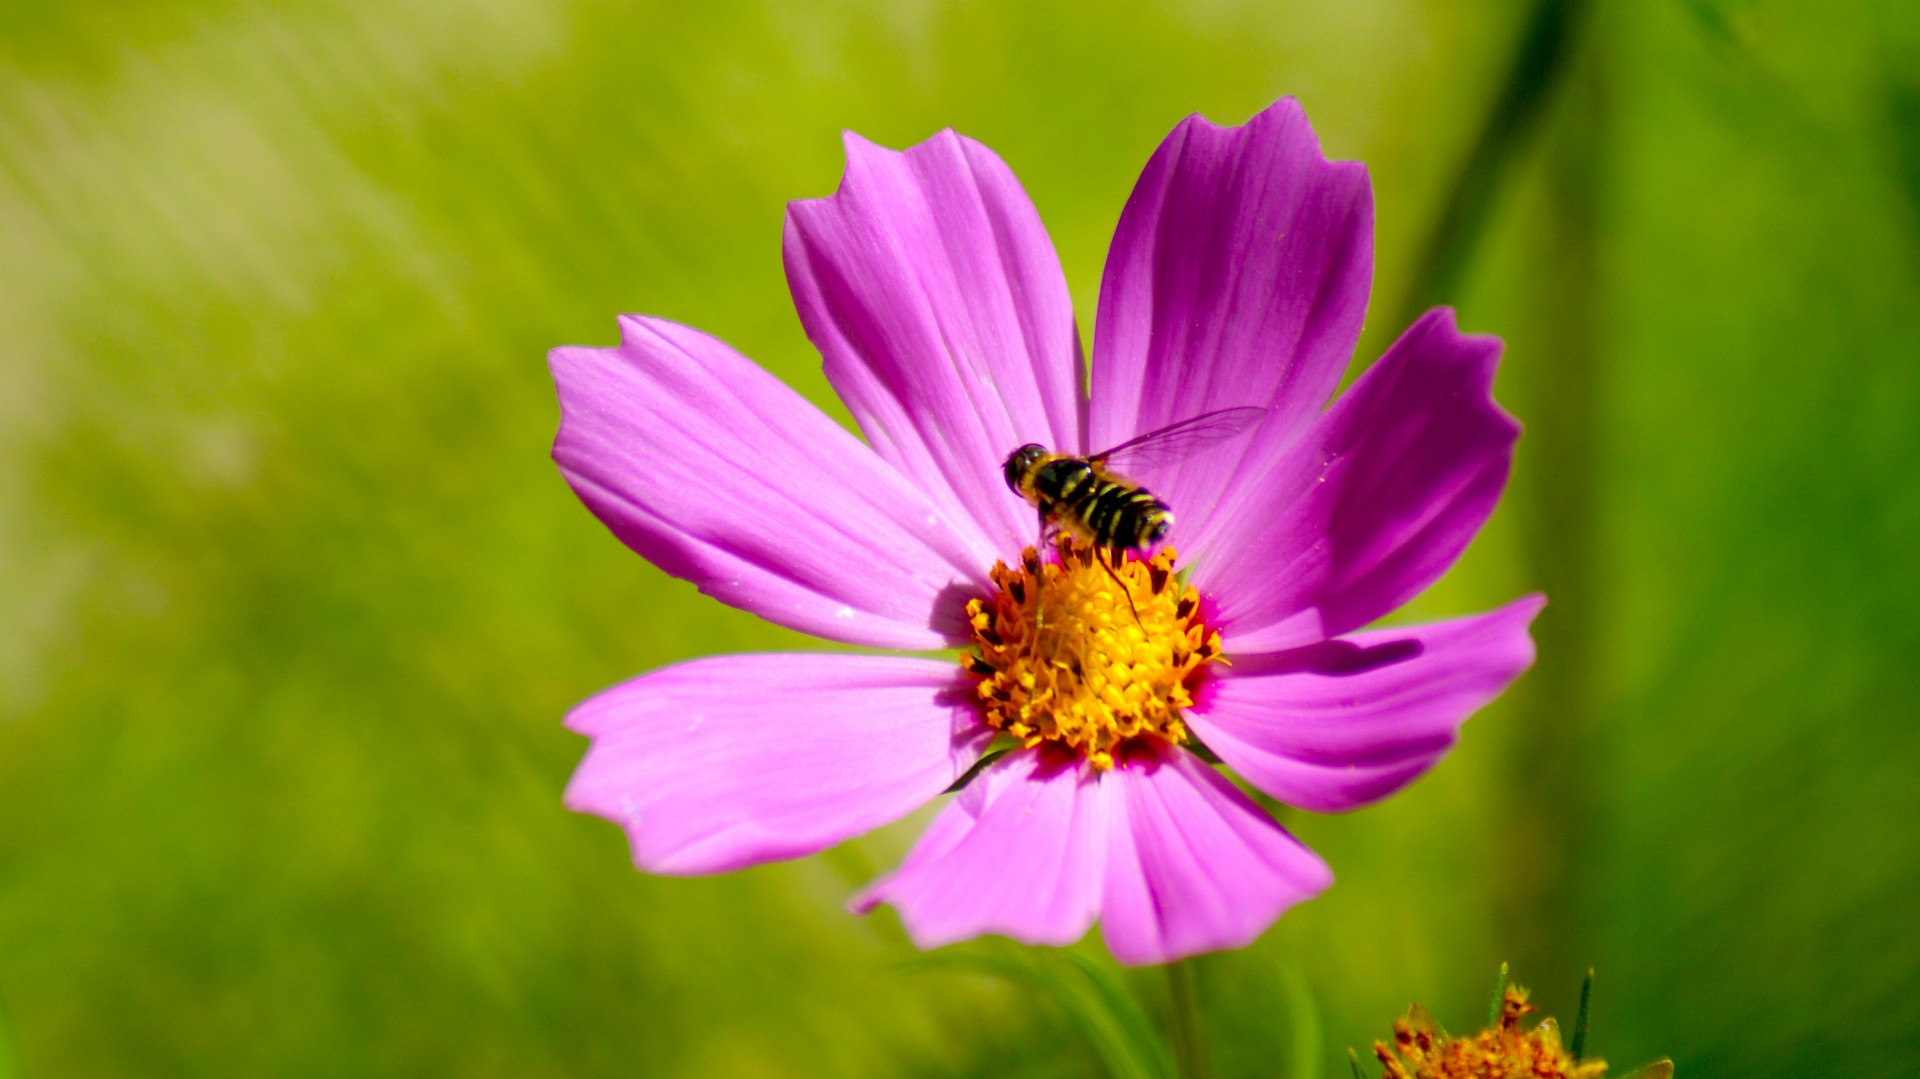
x=1020, y=461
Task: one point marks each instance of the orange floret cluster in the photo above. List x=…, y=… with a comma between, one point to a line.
x=1421, y=1050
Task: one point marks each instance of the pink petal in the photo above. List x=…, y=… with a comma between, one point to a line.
x=1371, y=505
x=932, y=290
x=717, y=473
x=731, y=761
x=1238, y=276
x=1194, y=865
x=1019, y=852
x=1336, y=725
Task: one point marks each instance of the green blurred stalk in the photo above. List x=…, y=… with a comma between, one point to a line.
x=1556, y=359
x=1189, y=1053
x=1545, y=46
x=1560, y=360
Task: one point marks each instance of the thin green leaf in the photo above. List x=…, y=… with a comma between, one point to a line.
x=1303, y=1015
x=1202, y=750
x=1121, y=1034
x=1123, y=1008
x=1579, y=1045
x=979, y=766
x=972, y=963
x=1499, y=994
x=1353, y=1059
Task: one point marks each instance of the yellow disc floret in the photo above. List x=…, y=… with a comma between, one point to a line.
x=1087, y=655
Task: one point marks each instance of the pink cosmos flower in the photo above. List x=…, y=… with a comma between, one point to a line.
x=1238, y=276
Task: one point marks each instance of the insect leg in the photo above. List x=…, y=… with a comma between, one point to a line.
x=1125, y=594
x=1037, y=573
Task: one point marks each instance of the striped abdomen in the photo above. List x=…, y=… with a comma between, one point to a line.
x=1110, y=512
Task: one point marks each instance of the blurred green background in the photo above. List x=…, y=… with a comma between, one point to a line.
x=292, y=600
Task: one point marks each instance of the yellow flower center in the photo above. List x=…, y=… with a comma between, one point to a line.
x=1089, y=656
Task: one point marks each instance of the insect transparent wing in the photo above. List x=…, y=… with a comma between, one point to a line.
x=1179, y=440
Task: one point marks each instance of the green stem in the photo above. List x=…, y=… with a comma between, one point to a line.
x=1189, y=1054
x=1545, y=44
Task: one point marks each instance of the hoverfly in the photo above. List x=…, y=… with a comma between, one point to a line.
x=1084, y=496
